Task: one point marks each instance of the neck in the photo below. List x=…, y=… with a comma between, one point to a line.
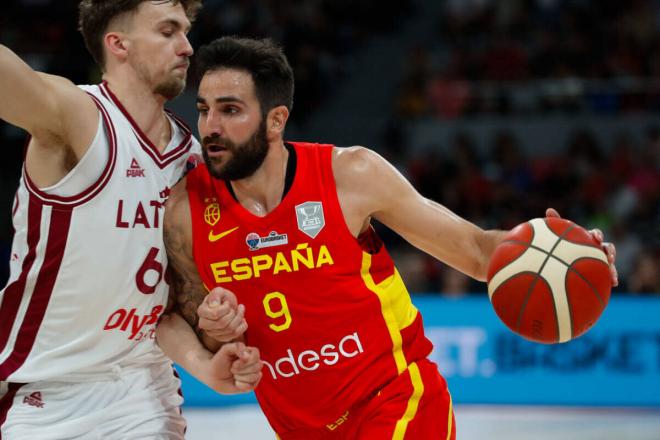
x=262, y=192
x=145, y=107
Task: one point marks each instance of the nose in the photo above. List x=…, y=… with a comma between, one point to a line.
x=186, y=48
x=209, y=124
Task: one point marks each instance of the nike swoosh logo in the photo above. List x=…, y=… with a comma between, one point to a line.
x=215, y=237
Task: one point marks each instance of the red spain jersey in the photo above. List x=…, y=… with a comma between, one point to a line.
x=329, y=313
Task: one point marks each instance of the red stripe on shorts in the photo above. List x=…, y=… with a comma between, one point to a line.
x=6, y=402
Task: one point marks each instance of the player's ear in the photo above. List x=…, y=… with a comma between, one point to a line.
x=116, y=45
x=277, y=118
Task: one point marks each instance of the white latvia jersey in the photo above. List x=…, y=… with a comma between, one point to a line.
x=87, y=266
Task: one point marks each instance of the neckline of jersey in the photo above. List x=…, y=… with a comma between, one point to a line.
x=144, y=141
x=276, y=213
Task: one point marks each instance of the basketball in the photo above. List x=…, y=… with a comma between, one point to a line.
x=549, y=280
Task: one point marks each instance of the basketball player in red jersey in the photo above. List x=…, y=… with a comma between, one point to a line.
x=286, y=227
x=78, y=357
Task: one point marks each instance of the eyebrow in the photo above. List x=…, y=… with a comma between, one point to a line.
x=177, y=24
x=221, y=99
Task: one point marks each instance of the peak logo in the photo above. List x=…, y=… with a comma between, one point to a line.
x=34, y=399
x=135, y=170
x=292, y=364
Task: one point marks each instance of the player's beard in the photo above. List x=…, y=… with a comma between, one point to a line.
x=246, y=158
x=170, y=88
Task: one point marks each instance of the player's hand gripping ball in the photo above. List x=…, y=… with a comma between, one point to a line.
x=549, y=280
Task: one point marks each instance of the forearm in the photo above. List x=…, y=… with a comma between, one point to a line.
x=180, y=343
x=487, y=241
x=209, y=343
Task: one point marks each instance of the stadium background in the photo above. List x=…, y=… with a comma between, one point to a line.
x=496, y=109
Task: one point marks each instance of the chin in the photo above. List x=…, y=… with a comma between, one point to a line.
x=172, y=88
x=217, y=172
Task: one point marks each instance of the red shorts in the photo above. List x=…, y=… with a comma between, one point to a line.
x=415, y=406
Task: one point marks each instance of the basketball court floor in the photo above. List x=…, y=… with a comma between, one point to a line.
x=473, y=422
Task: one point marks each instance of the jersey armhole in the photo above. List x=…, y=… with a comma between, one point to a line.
x=367, y=241
x=90, y=184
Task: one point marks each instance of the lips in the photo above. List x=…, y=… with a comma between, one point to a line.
x=215, y=151
x=183, y=66
x=214, y=148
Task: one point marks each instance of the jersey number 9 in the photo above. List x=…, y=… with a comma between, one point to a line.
x=276, y=307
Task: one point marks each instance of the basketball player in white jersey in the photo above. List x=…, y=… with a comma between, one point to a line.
x=78, y=358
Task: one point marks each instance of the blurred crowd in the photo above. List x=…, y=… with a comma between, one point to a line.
x=530, y=58
x=523, y=56
x=318, y=36
x=615, y=189
x=507, y=58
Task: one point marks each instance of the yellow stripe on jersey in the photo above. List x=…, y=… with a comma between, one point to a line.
x=413, y=403
x=450, y=418
x=395, y=305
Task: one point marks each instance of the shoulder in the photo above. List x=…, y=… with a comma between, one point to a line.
x=355, y=162
x=177, y=213
x=76, y=115
x=363, y=179
x=361, y=166
x=66, y=91
x=58, y=82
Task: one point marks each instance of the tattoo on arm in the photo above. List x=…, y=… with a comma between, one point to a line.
x=186, y=288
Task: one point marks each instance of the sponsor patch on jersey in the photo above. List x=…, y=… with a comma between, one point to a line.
x=255, y=242
x=302, y=362
x=310, y=218
x=135, y=170
x=212, y=212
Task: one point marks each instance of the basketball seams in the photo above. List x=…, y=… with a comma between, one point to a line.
x=572, y=246
x=504, y=281
x=513, y=267
x=526, y=244
x=540, y=249
x=538, y=275
x=583, y=278
x=523, y=266
x=554, y=306
x=555, y=274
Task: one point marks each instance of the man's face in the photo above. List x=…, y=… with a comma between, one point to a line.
x=159, y=46
x=230, y=124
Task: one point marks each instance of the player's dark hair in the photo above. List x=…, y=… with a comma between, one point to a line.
x=94, y=16
x=262, y=58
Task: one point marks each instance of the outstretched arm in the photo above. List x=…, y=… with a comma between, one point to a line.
x=387, y=196
x=61, y=118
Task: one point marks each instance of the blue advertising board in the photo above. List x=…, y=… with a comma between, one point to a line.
x=616, y=363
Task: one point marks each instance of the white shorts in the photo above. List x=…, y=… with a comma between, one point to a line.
x=132, y=404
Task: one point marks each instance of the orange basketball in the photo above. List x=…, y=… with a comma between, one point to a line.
x=549, y=280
